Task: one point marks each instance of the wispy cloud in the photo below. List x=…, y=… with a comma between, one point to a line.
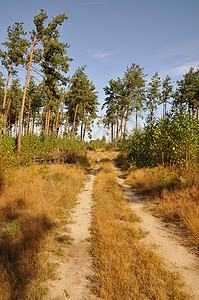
x=101, y=55
x=176, y=60
x=182, y=68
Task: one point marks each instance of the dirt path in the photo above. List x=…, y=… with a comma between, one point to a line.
x=161, y=236
x=73, y=274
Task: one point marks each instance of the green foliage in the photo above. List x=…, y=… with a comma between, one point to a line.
x=172, y=141
x=98, y=144
x=40, y=149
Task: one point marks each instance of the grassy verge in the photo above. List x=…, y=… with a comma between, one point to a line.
x=123, y=267
x=176, y=197
x=34, y=207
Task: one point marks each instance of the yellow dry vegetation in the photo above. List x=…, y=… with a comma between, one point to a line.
x=176, y=197
x=124, y=268
x=34, y=205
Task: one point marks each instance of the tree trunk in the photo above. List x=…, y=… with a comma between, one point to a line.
x=84, y=131
x=24, y=94
x=112, y=134
x=5, y=119
x=62, y=99
x=33, y=121
x=73, y=131
x=121, y=126
x=125, y=124
x=151, y=118
x=136, y=119
x=28, y=121
x=117, y=130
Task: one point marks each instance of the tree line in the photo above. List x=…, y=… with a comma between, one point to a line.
x=131, y=94
x=49, y=99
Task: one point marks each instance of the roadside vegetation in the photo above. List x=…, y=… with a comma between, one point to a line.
x=35, y=203
x=124, y=268
x=162, y=164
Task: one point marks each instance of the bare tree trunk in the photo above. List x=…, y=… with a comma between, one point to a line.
x=24, y=94
x=48, y=122
x=151, y=118
x=62, y=99
x=121, y=126
x=117, y=131
x=112, y=134
x=5, y=119
x=28, y=121
x=73, y=131
x=136, y=119
x=126, y=119
x=84, y=131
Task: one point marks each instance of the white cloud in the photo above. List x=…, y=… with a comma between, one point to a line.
x=103, y=56
x=181, y=69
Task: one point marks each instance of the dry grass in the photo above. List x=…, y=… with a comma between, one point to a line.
x=124, y=268
x=111, y=154
x=34, y=205
x=91, y=156
x=176, y=197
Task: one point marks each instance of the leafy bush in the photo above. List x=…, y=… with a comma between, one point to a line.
x=173, y=140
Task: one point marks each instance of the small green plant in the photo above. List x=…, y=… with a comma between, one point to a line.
x=13, y=229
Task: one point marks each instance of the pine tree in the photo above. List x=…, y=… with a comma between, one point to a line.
x=52, y=59
x=167, y=92
x=135, y=85
x=188, y=92
x=16, y=46
x=153, y=95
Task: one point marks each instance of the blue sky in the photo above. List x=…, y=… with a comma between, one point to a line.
x=109, y=35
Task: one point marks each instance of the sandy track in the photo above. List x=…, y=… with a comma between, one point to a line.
x=73, y=274
x=176, y=256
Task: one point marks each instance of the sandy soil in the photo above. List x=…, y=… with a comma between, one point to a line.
x=73, y=273
x=164, y=241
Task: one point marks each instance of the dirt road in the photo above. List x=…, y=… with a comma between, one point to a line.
x=176, y=256
x=73, y=273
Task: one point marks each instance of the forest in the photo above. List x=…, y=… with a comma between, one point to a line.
x=52, y=111
x=48, y=156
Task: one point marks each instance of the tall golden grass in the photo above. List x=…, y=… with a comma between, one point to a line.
x=123, y=267
x=34, y=204
x=176, y=196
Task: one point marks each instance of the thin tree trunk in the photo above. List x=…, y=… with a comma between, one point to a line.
x=125, y=124
x=5, y=119
x=117, y=131
x=84, y=131
x=33, y=121
x=28, y=121
x=24, y=94
x=112, y=134
x=62, y=99
x=121, y=126
x=151, y=118
x=136, y=119
x=76, y=108
x=67, y=119
x=48, y=122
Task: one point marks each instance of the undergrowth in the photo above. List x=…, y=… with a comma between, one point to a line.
x=124, y=268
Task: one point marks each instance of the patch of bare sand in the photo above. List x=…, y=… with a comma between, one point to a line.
x=164, y=241
x=73, y=273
